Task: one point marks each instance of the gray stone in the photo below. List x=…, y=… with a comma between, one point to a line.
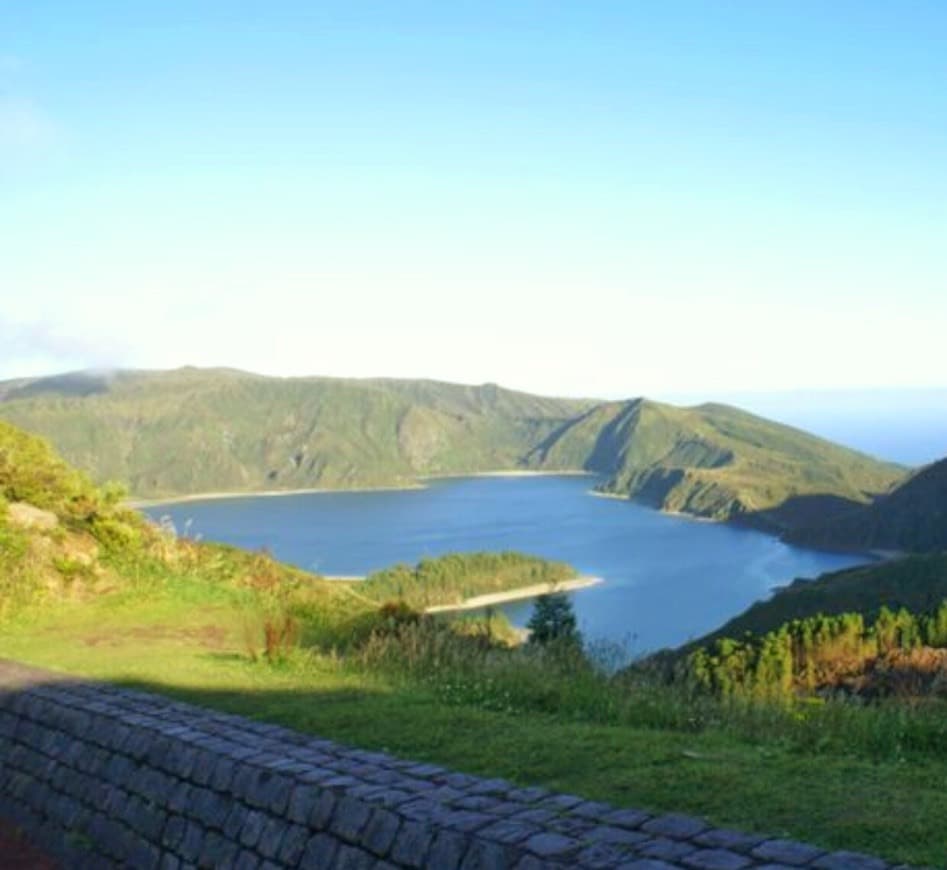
x=144, y=856
x=535, y=815
x=464, y=820
x=272, y=837
x=349, y=818
x=531, y=862
x=675, y=825
x=412, y=844
x=647, y=864
x=665, y=849
x=551, y=845
x=719, y=838
x=592, y=810
x=626, y=818
x=447, y=850
x=380, y=831
x=252, y=829
x=293, y=845
x=321, y=814
x=218, y=851
x=320, y=852
x=849, y=861
x=174, y=831
x=193, y=842
x=602, y=856
x=787, y=852
x=247, y=860
x=352, y=858
x=302, y=801
x=510, y=832
x=222, y=777
x=169, y=861
x=208, y=806
x=235, y=821
x=716, y=859
x=616, y=836
x=483, y=855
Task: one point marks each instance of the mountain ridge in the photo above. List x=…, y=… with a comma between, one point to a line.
x=191, y=430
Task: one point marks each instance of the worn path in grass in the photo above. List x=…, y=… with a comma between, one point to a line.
x=190, y=648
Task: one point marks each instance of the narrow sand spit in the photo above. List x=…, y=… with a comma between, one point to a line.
x=523, y=592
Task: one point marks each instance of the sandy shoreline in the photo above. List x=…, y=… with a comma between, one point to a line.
x=524, y=592
x=405, y=487
x=518, y=472
x=266, y=493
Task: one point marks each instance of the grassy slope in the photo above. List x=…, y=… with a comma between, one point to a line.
x=187, y=643
x=720, y=462
x=913, y=518
x=181, y=618
x=917, y=583
x=187, y=431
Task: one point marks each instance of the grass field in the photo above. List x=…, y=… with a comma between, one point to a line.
x=188, y=640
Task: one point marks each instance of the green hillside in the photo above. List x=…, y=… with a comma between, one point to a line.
x=912, y=518
x=718, y=462
x=189, y=431
x=916, y=583
x=192, y=431
x=89, y=588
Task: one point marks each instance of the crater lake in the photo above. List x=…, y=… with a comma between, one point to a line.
x=667, y=579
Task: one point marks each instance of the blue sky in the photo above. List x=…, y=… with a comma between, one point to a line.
x=576, y=198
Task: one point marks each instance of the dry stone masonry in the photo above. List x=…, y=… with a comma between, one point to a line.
x=104, y=777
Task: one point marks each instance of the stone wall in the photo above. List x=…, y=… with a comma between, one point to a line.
x=104, y=777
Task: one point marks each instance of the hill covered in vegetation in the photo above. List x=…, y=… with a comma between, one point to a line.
x=89, y=587
x=911, y=518
x=915, y=583
x=188, y=431
x=875, y=630
x=64, y=539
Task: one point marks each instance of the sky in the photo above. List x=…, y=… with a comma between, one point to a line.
x=572, y=198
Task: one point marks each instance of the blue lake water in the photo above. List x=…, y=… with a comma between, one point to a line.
x=667, y=579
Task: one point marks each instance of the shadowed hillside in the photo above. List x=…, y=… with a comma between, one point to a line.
x=193, y=431
x=913, y=517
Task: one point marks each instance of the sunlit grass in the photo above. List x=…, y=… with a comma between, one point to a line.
x=492, y=714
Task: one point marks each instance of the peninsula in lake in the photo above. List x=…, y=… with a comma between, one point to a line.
x=173, y=433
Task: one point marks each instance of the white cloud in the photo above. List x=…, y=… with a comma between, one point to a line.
x=40, y=348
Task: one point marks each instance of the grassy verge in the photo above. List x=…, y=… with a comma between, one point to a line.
x=786, y=772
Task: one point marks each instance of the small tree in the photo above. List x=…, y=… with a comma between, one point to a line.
x=553, y=621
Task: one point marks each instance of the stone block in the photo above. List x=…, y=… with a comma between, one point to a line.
x=787, y=852
x=675, y=825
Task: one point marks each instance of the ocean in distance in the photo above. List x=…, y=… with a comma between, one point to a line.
x=667, y=578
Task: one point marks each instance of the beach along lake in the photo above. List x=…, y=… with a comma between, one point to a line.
x=667, y=579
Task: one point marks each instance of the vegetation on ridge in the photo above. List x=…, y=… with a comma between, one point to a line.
x=192, y=431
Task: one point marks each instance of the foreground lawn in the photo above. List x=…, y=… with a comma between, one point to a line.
x=191, y=645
